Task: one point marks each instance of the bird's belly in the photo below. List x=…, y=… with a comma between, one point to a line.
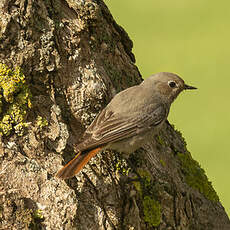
x=129, y=145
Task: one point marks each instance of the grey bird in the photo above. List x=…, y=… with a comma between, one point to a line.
x=132, y=117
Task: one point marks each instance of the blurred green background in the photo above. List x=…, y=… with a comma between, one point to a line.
x=192, y=39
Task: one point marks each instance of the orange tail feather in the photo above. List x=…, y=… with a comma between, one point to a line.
x=76, y=164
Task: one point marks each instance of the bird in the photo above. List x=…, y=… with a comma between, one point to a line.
x=131, y=118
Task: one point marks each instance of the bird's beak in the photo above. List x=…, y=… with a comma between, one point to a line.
x=189, y=87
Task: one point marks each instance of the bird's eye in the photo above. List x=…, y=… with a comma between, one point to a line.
x=172, y=84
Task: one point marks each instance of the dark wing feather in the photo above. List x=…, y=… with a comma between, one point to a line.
x=110, y=127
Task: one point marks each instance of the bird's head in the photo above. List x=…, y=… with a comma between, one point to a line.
x=169, y=85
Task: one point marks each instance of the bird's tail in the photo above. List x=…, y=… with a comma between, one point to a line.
x=76, y=164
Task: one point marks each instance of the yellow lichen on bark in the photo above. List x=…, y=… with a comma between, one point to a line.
x=15, y=100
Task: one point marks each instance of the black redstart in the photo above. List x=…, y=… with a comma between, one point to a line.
x=129, y=120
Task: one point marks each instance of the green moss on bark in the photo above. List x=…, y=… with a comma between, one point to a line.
x=30, y=219
x=152, y=211
x=195, y=176
x=151, y=207
x=160, y=140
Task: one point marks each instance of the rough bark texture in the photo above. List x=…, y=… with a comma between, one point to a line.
x=74, y=58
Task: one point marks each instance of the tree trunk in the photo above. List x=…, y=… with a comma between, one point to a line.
x=62, y=62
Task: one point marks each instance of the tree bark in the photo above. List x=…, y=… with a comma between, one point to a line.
x=75, y=58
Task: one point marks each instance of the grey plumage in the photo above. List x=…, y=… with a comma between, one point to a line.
x=129, y=120
x=133, y=114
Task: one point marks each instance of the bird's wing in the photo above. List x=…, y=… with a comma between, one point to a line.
x=110, y=127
